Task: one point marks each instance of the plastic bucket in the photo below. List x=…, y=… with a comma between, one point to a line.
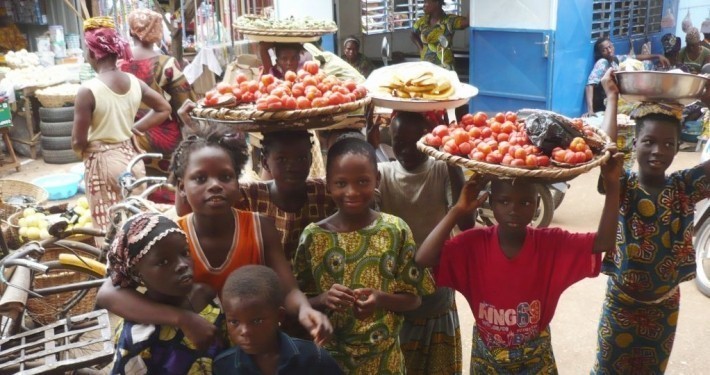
x=59, y=186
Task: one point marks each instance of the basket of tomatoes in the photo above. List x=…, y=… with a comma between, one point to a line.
x=304, y=100
x=509, y=146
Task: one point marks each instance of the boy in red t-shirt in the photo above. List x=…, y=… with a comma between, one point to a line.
x=513, y=275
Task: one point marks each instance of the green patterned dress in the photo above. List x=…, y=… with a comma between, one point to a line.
x=429, y=35
x=379, y=256
x=654, y=253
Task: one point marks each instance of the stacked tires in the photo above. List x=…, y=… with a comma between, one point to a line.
x=56, y=126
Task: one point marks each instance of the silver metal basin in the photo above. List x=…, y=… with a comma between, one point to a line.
x=660, y=86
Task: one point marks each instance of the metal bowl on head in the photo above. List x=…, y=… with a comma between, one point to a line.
x=647, y=86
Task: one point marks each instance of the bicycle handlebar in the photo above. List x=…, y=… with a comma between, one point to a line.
x=139, y=157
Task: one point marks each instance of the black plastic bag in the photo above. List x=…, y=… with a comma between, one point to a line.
x=548, y=130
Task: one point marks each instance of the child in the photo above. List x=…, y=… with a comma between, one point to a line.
x=654, y=250
x=358, y=266
x=253, y=305
x=291, y=198
x=221, y=238
x=512, y=274
x=151, y=250
x=430, y=336
x=288, y=58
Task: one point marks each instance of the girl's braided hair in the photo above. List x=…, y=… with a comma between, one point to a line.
x=215, y=136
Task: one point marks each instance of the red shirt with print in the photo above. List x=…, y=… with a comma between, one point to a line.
x=513, y=300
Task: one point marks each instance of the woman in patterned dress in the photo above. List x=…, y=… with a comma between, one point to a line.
x=430, y=27
x=162, y=74
x=357, y=265
x=654, y=251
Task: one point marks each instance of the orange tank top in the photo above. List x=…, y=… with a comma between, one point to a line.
x=246, y=249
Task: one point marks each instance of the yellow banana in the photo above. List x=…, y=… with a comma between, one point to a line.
x=83, y=262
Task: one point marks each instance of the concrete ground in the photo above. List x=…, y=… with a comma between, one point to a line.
x=574, y=326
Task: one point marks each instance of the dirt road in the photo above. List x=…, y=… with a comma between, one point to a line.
x=574, y=327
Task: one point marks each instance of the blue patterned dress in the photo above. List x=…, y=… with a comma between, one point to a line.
x=654, y=255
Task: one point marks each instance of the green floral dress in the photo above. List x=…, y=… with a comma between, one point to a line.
x=429, y=35
x=380, y=256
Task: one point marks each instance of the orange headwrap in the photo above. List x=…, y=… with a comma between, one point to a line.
x=146, y=25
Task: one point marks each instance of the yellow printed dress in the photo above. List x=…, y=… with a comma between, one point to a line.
x=153, y=349
x=429, y=35
x=379, y=256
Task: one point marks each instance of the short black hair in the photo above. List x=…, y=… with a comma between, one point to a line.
x=280, y=47
x=517, y=184
x=597, y=44
x=214, y=136
x=273, y=138
x=409, y=119
x=658, y=117
x=254, y=281
x=351, y=145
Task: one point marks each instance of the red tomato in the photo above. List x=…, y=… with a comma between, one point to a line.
x=309, y=81
x=451, y=147
x=508, y=127
x=467, y=119
x=224, y=87
x=559, y=155
x=511, y=116
x=460, y=136
x=465, y=148
x=212, y=94
x=543, y=161
x=503, y=137
x=520, y=153
x=496, y=156
x=268, y=79
x=517, y=163
x=503, y=147
x=500, y=117
x=495, y=127
x=237, y=93
x=479, y=119
x=531, y=161
x=336, y=98
x=478, y=155
x=261, y=105
x=298, y=89
x=441, y=131
x=361, y=92
x=275, y=106
x=252, y=86
x=445, y=139
x=432, y=140
x=507, y=159
x=570, y=157
x=485, y=148
x=303, y=103
x=302, y=74
x=486, y=132
x=290, y=76
x=248, y=97
x=474, y=132
x=319, y=102
x=580, y=156
x=589, y=154
x=313, y=93
x=311, y=67
x=241, y=77
x=350, y=85
x=289, y=102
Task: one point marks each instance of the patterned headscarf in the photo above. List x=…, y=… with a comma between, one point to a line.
x=146, y=25
x=671, y=43
x=135, y=238
x=646, y=108
x=692, y=36
x=103, y=40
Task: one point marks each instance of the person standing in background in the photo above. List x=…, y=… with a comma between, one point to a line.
x=351, y=54
x=694, y=55
x=430, y=27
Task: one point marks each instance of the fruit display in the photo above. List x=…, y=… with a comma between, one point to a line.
x=291, y=23
x=419, y=84
x=34, y=223
x=502, y=139
x=308, y=88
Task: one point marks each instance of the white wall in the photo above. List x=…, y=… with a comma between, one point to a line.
x=698, y=12
x=316, y=9
x=514, y=14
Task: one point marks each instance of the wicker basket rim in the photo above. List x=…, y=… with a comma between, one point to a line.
x=27, y=188
x=283, y=32
x=257, y=115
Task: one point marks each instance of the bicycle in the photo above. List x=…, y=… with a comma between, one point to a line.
x=84, y=340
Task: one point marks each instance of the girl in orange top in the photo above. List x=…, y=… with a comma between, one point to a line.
x=221, y=239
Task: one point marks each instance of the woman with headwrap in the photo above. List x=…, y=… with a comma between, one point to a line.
x=352, y=55
x=605, y=58
x=428, y=30
x=693, y=55
x=104, y=113
x=162, y=74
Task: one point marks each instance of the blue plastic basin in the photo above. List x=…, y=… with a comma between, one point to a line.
x=59, y=186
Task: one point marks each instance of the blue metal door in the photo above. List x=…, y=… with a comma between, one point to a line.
x=511, y=68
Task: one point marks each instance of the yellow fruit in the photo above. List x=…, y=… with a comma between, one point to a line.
x=44, y=234
x=23, y=232
x=22, y=222
x=28, y=212
x=31, y=221
x=83, y=202
x=79, y=210
x=42, y=224
x=88, y=225
x=33, y=233
x=83, y=220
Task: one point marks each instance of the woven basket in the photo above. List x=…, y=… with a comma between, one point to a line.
x=7, y=210
x=10, y=188
x=55, y=101
x=47, y=310
x=284, y=32
x=13, y=233
x=248, y=119
x=548, y=174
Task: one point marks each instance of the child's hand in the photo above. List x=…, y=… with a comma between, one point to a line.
x=471, y=197
x=609, y=83
x=339, y=298
x=198, y=330
x=184, y=112
x=366, y=302
x=372, y=128
x=612, y=169
x=316, y=323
